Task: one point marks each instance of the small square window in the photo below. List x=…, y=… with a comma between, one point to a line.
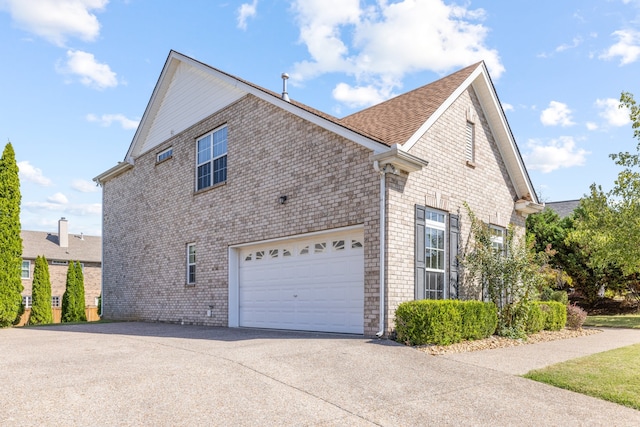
x=55, y=301
x=26, y=301
x=319, y=247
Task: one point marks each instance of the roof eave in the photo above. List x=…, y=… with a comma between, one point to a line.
x=118, y=169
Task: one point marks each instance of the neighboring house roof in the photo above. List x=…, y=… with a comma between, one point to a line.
x=80, y=248
x=395, y=124
x=563, y=208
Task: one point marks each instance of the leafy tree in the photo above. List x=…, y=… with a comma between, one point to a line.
x=509, y=278
x=10, y=240
x=608, y=227
x=41, y=313
x=73, y=308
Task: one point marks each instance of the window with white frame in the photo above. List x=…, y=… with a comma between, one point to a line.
x=191, y=264
x=26, y=269
x=211, y=163
x=470, y=142
x=164, y=155
x=26, y=301
x=497, y=238
x=434, y=254
x=55, y=301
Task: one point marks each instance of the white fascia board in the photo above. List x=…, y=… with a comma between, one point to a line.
x=504, y=138
x=400, y=159
x=118, y=169
x=441, y=109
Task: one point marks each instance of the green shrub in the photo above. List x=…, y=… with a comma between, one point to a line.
x=479, y=319
x=555, y=315
x=444, y=322
x=545, y=294
x=535, y=319
x=560, y=296
x=575, y=316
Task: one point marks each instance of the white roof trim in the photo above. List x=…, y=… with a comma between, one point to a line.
x=165, y=79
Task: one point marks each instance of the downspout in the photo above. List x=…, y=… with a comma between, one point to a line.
x=383, y=229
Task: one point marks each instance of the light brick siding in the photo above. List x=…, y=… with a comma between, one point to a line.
x=92, y=272
x=446, y=183
x=152, y=212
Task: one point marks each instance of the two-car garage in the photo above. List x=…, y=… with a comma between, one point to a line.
x=310, y=283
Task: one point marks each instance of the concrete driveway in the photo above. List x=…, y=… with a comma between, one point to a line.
x=170, y=375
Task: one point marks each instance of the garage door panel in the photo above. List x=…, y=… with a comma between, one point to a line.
x=318, y=286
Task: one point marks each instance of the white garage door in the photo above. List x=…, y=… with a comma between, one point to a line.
x=310, y=284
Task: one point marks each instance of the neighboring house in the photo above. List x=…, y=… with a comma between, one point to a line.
x=237, y=206
x=563, y=208
x=59, y=249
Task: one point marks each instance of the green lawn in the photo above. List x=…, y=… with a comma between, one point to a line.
x=620, y=321
x=612, y=375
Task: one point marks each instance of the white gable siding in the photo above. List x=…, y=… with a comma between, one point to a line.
x=192, y=96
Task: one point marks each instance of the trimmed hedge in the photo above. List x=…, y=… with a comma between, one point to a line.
x=535, y=319
x=555, y=314
x=444, y=322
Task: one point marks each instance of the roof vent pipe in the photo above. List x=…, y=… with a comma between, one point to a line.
x=285, y=95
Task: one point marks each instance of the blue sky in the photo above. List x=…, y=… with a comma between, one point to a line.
x=78, y=74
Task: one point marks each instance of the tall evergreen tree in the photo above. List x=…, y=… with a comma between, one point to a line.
x=41, y=313
x=73, y=298
x=10, y=240
x=80, y=303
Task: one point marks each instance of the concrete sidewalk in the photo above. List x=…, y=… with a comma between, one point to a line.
x=522, y=359
x=139, y=374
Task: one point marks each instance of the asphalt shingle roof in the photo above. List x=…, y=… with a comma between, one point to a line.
x=85, y=249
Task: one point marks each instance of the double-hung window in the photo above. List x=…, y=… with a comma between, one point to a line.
x=211, y=158
x=26, y=266
x=497, y=238
x=191, y=264
x=436, y=254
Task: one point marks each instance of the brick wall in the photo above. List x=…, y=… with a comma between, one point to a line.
x=58, y=275
x=152, y=212
x=446, y=183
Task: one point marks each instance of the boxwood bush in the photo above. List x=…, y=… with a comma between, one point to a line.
x=444, y=322
x=555, y=314
x=535, y=319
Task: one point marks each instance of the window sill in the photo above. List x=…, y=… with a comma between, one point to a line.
x=471, y=164
x=163, y=160
x=204, y=190
x=189, y=285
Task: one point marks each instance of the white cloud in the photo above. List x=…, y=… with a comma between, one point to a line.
x=355, y=97
x=592, y=126
x=627, y=47
x=56, y=20
x=33, y=174
x=557, y=113
x=58, y=198
x=556, y=154
x=91, y=72
x=87, y=209
x=246, y=11
x=84, y=186
x=507, y=107
x=378, y=44
x=107, y=119
x=612, y=113
x=577, y=41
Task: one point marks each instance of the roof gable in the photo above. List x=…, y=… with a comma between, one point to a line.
x=396, y=120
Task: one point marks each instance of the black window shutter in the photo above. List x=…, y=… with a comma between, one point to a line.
x=454, y=235
x=420, y=255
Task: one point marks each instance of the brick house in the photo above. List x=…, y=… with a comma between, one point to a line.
x=59, y=249
x=236, y=206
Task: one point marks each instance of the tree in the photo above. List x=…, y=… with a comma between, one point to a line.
x=10, y=240
x=73, y=307
x=41, y=313
x=608, y=227
x=509, y=278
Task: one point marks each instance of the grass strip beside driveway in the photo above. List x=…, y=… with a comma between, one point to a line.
x=619, y=321
x=612, y=375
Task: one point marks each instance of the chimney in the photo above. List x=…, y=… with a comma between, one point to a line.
x=285, y=95
x=63, y=233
